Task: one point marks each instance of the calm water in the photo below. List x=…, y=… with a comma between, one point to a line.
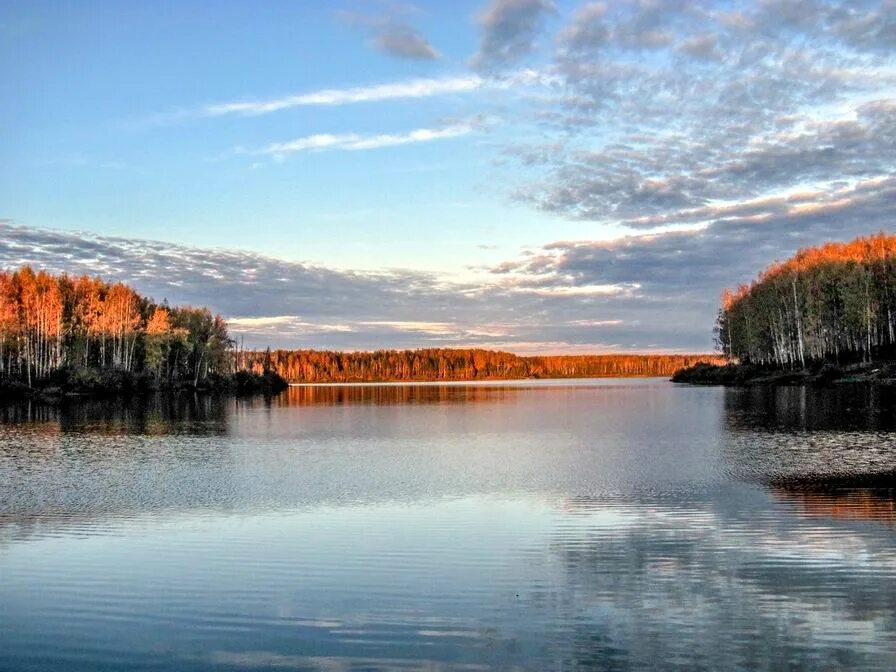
x=554, y=525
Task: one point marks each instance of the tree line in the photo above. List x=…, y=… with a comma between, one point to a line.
x=54, y=322
x=443, y=364
x=835, y=302
x=62, y=328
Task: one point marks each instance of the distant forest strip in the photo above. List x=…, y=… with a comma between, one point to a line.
x=445, y=364
x=835, y=303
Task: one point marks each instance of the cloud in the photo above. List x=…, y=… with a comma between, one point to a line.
x=874, y=29
x=277, y=324
x=355, y=142
x=700, y=46
x=404, y=41
x=587, y=31
x=628, y=183
x=509, y=31
x=672, y=113
x=408, y=89
x=677, y=276
x=391, y=34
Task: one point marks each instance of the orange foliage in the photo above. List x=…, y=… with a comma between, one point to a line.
x=48, y=322
x=442, y=364
x=159, y=322
x=862, y=250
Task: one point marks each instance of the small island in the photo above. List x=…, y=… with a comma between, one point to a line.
x=826, y=315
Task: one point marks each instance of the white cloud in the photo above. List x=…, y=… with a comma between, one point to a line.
x=595, y=323
x=273, y=320
x=410, y=89
x=290, y=324
x=581, y=290
x=414, y=88
x=356, y=142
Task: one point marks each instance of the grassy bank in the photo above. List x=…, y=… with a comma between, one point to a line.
x=822, y=374
x=79, y=381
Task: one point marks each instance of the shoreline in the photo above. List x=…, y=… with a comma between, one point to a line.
x=467, y=381
x=17, y=392
x=819, y=375
x=247, y=384
x=126, y=385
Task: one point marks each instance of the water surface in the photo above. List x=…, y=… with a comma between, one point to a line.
x=608, y=524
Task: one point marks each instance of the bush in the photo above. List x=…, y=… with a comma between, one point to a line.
x=89, y=380
x=713, y=374
x=247, y=382
x=828, y=373
x=708, y=374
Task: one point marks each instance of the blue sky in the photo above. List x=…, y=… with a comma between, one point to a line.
x=103, y=96
x=524, y=174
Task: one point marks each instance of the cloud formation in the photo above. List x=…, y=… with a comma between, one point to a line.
x=509, y=31
x=390, y=33
x=677, y=275
x=669, y=107
x=407, y=89
x=404, y=41
x=356, y=142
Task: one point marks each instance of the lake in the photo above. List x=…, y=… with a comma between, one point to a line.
x=547, y=525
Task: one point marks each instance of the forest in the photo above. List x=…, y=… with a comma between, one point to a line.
x=442, y=364
x=84, y=333
x=832, y=303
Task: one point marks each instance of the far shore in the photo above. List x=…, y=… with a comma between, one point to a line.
x=469, y=381
x=247, y=384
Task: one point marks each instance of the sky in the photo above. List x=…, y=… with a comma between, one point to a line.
x=529, y=175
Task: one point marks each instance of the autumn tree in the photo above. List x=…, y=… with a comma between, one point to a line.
x=158, y=341
x=319, y=366
x=9, y=323
x=48, y=322
x=832, y=302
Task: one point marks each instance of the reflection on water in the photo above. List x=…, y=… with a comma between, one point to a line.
x=434, y=393
x=796, y=436
x=535, y=525
x=849, y=503
x=152, y=415
x=861, y=408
